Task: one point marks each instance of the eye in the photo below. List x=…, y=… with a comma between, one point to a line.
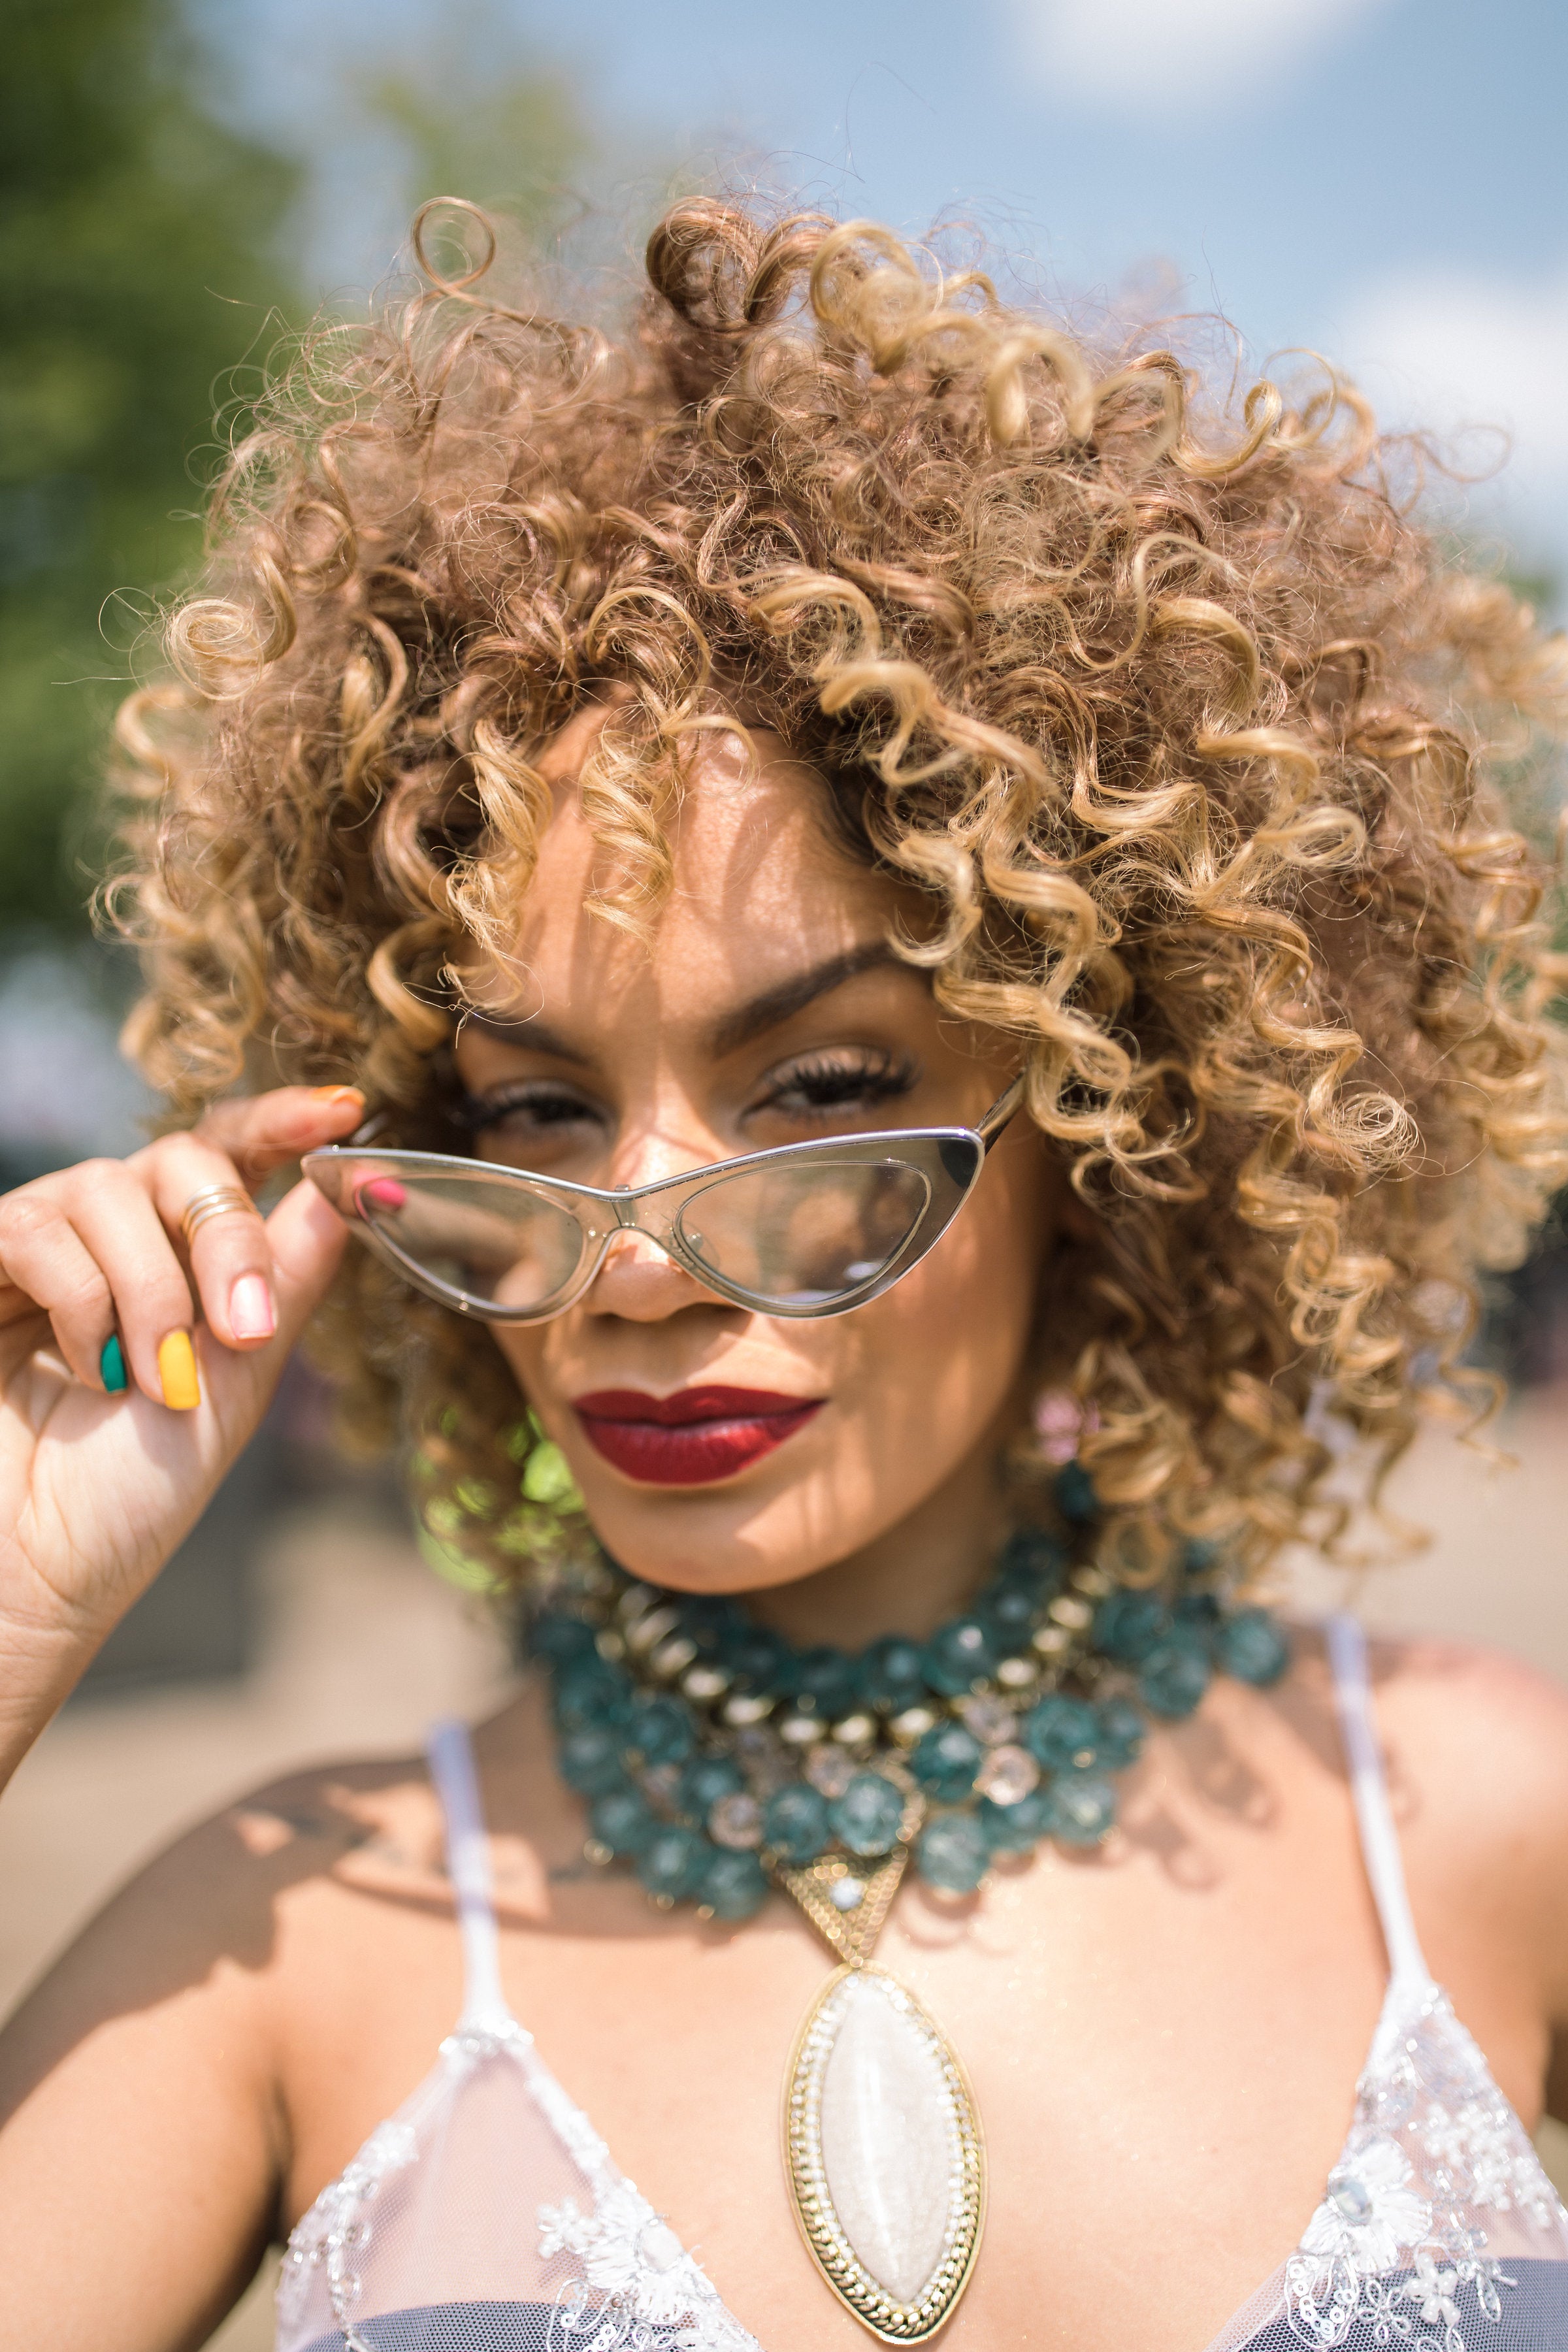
x=843, y=1082
x=527, y=1115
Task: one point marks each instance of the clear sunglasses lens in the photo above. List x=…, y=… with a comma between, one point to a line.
x=806, y=1233
x=495, y=1241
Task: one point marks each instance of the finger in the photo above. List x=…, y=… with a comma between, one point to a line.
x=306, y=1238
x=231, y=1261
x=90, y=1248
x=262, y=1132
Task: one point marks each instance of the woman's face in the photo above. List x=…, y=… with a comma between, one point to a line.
x=766, y=1011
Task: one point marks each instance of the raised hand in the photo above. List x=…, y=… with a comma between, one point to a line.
x=136, y=1358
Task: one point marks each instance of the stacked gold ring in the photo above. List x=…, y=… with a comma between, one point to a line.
x=215, y=1201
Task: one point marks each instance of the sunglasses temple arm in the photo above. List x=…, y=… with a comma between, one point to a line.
x=1002, y=1110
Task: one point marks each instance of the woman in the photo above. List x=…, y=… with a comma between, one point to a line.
x=844, y=708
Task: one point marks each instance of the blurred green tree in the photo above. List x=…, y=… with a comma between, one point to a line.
x=142, y=292
x=137, y=270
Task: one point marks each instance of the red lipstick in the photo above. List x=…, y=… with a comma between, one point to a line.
x=693, y=1437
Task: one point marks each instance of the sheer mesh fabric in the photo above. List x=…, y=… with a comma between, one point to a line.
x=487, y=2215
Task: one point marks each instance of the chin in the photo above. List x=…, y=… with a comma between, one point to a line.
x=738, y=1535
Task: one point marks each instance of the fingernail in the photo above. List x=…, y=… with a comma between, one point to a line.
x=250, y=1315
x=177, y=1373
x=111, y=1366
x=337, y=1095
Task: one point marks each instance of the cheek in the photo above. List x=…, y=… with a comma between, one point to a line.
x=941, y=1354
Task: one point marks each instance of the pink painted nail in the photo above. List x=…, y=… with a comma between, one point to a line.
x=250, y=1313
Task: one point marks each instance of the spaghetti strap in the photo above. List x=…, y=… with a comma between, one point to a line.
x=1379, y=1838
x=451, y=1755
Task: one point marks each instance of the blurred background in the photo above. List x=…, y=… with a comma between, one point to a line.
x=181, y=185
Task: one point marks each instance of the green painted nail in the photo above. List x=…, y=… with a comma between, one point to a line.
x=111, y=1366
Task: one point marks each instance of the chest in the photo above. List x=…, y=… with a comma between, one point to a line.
x=1162, y=2039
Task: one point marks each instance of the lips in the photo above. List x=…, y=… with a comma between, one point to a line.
x=692, y=1438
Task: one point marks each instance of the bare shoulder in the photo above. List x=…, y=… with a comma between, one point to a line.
x=1477, y=1749
x=197, y=1927
x=1486, y=1727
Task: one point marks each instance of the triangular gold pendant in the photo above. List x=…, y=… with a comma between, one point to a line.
x=847, y=1902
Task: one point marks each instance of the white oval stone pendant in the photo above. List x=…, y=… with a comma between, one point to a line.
x=883, y=2150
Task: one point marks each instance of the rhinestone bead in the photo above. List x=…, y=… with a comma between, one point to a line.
x=829, y=1769
x=704, y=1779
x=890, y=1674
x=736, y=1822
x=1252, y=1647
x=959, y=1655
x=1083, y=1808
x=952, y=1852
x=1128, y=1625
x=855, y=1730
x=672, y=1862
x=743, y=1708
x=799, y=1730
x=794, y=1822
x=673, y=1656
x=1015, y=1829
x=946, y=1761
x=1061, y=1732
x=990, y=1719
x=1068, y=1609
x=867, y=1817
x=1174, y=1679
x=1122, y=1732
x=1007, y=1775
x=733, y=1886
x=590, y=1762
x=824, y=1682
x=912, y=1725
x=660, y=1731
x=847, y=1893
x=1017, y=1674
x=620, y=1823
x=645, y=1633
x=704, y=1683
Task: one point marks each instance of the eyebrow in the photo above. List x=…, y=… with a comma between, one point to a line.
x=753, y=1019
x=780, y=1004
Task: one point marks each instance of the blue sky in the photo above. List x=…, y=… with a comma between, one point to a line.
x=1385, y=180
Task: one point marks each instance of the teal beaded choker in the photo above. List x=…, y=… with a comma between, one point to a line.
x=716, y=1757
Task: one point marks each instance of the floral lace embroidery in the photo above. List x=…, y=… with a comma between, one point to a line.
x=1400, y=2237
x=638, y=2277
x=329, y=2236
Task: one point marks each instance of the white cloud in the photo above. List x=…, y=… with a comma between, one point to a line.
x=1145, y=56
x=1457, y=352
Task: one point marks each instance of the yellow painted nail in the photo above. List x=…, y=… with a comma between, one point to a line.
x=177, y=1373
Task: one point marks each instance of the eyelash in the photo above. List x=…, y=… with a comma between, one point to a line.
x=819, y=1083
x=831, y=1082
x=539, y=1097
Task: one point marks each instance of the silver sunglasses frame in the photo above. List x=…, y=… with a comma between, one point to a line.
x=603, y=1214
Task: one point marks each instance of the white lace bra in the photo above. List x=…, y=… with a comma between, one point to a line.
x=487, y=2216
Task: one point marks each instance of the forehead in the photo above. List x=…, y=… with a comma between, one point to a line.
x=760, y=887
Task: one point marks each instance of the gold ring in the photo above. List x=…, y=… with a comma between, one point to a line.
x=215, y=1201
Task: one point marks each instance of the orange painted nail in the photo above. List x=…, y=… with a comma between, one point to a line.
x=177, y=1373
x=338, y=1094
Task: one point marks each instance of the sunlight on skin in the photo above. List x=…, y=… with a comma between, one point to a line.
x=892, y=1487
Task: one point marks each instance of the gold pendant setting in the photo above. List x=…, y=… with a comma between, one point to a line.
x=884, y=2157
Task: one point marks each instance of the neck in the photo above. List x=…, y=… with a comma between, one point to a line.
x=908, y=1581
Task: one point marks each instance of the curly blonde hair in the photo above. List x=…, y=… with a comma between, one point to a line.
x=1186, y=735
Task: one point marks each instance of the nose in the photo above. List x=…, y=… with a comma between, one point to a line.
x=641, y=1283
